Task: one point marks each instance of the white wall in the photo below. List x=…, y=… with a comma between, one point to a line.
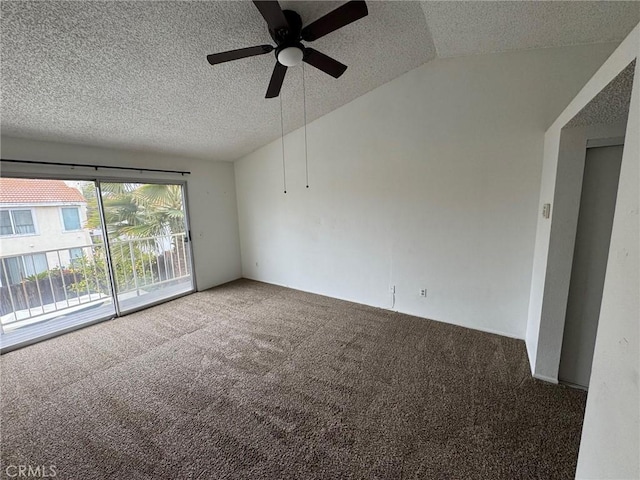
x=556, y=237
x=210, y=189
x=430, y=181
x=610, y=445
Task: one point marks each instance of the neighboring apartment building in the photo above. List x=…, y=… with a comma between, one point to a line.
x=38, y=216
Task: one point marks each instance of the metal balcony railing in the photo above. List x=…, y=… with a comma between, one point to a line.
x=38, y=286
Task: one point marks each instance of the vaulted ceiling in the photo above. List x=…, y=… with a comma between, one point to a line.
x=134, y=74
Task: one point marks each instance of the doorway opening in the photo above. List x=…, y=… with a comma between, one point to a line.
x=591, y=252
x=589, y=164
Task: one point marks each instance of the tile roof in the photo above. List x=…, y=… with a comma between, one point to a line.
x=22, y=190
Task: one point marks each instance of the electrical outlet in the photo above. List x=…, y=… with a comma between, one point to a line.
x=423, y=292
x=392, y=289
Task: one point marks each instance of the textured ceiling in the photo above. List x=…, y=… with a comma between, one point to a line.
x=467, y=28
x=135, y=75
x=611, y=105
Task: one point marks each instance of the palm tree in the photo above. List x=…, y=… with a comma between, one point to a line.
x=134, y=210
x=141, y=219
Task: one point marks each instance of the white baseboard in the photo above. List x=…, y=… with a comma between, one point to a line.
x=395, y=310
x=544, y=378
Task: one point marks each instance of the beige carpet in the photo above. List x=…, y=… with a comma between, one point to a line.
x=253, y=381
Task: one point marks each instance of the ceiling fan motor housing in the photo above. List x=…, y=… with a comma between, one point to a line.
x=289, y=51
x=289, y=36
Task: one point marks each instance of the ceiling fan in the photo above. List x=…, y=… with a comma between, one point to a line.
x=285, y=27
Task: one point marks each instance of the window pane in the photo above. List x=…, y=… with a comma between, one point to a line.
x=75, y=255
x=36, y=263
x=6, y=266
x=71, y=218
x=23, y=221
x=5, y=223
x=13, y=269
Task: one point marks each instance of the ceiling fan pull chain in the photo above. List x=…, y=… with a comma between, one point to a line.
x=304, y=103
x=284, y=173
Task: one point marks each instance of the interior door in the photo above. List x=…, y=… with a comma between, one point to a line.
x=148, y=241
x=591, y=252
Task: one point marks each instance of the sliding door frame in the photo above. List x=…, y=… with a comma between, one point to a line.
x=97, y=180
x=107, y=247
x=187, y=227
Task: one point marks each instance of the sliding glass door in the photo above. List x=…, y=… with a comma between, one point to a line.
x=148, y=242
x=77, y=252
x=54, y=273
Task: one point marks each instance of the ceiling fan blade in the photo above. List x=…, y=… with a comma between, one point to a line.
x=322, y=62
x=222, y=57
x=277, y=77
x=338, y=18
x=272, y=13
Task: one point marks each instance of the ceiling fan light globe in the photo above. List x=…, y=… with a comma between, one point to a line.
x=290, y=56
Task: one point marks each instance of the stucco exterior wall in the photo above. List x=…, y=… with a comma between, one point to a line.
x=50, y=233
